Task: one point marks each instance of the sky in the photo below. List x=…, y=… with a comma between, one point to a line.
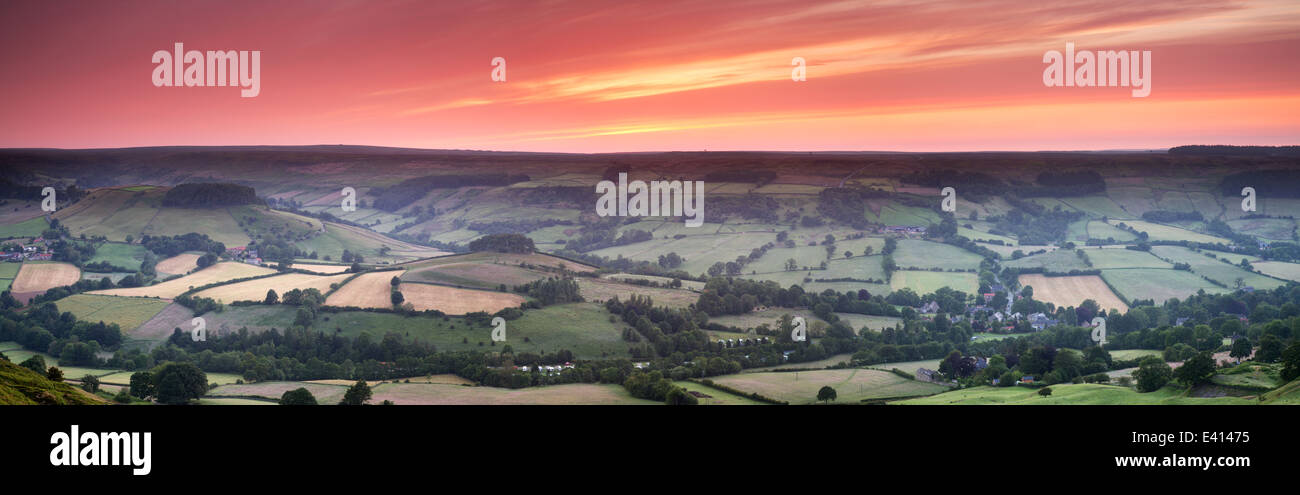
x=602, y=76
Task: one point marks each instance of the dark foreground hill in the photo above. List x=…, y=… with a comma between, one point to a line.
x=21, y=386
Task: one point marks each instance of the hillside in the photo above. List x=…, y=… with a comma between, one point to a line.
x=21, y=386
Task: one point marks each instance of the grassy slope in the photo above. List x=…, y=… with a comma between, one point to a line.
x=21, y=386
x=1082, y=394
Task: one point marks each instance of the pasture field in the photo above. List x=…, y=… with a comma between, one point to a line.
x=877, y=323
x=1070, y=394
x=599, y=290
x=69, y=372
x=1059, y=260
x=1279, y=269
x=892, y=213
x=927, y=282
x=1095, y=206
x=255, y=290
x=1127, y=354
x=1159, y=232
x=8, y=272
x=582, y=328
x=217, y=223
x=1110, y=258
x=257, y=318
x=1250, y=375
x=225, y=401
x=369, y=290
x=338, y=237
x=455, y=301
x=686, y=284
x=41, y=276
x=908, y=366
x=178, y=265
x=26, y=228
x=322, y=269
x=569, y=394
x=926, y=254
x=325, y=394
x=124, y=378
x=709, y=396
x=700, y=250
x=127, y=313
x=127, y=256
x=486, y=257
x=446, y=379
x=983, y=336
x=977, y=235
x=1072, y=291
x=480, y=275
x=1217, y=270
x=755, y=318
x=851, y=385
x=219, y=272
x=1277, y=229
x=1157, y=284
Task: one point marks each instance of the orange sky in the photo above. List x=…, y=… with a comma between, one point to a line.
x=642, y=76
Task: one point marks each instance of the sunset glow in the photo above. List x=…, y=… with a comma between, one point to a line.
x=616, y=76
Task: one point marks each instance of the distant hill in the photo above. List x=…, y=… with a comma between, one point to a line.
x=1236, y=150
x=21, y=386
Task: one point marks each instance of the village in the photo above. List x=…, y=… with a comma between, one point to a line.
x=19, y=250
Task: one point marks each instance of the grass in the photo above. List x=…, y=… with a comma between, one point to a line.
x=596, y=290
x=1109, y=258
x=1157, y=284
x=926, y=254
x=716, y=397
x=127, y=313
x=851, y=385
x=571, y=394
x=123, y=255
x=27, y=228
x=928, y=282
x=582, y=328
x=1130, y=354
x=1214, y=269
x=325, y=394
x=1060, y=260
x=983, y=336
x=1070, y=394
x=1279, y=269
x=908, y=366
x=8, y=272
x=1160, y=232
x=20, y=386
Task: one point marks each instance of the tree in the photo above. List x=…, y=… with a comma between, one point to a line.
x=90, y=383
x=1240, y=348
x=271, y=297
x=826, y=394
x=178, y=383
x=54, y=374
x=680, y=397
x=1291, y=362
x=142, y=384
x=35, y=363
x=1270, y=349
x=1152, y=374
x=1196, y=370
x=398, y=298
x=298, y=397
x=356, y=395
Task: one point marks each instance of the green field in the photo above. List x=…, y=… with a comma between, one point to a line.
x=851, y=385
x=927, y=282
x=571, y=394
x=126, y=256
x=1157, y=284
x=716, y=397
x=1060, y=260
x=583, y=328
x=7, y=273
x=1070, y=394
x=925, y=254
x=29, y=228
x=1217, y=270
x=1127, y=354
x=1279, y=269
x=127, y=312
x=1102, y=230
x=1277, y=229
x=1111, y=258
x=908, y=366
x=1160, y=232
